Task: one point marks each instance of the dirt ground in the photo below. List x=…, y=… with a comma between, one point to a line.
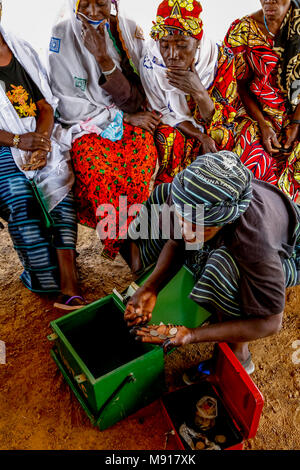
x=39, y=412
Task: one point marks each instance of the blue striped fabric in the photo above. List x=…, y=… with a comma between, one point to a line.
x=218, y=182
x=216, y=272
x=218, y=285
x=35, y=244
x=291, y=266
x=151, y=247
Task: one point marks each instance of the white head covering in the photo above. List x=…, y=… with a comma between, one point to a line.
x=74, y=75
x=162, y=96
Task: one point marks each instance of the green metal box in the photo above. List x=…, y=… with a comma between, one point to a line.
x=111, y=374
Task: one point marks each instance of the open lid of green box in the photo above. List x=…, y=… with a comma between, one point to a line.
x=173, y=303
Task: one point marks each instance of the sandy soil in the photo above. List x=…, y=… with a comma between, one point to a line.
x=37, y=409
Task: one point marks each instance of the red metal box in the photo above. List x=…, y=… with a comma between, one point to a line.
x=239, y=403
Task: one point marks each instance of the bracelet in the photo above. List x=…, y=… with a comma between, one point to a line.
x=109, y=72
x=295, y=121
x=16, y=140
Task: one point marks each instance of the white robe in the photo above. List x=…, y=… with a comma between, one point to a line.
x=162, y=96
x=56, y=179
x=84, y=106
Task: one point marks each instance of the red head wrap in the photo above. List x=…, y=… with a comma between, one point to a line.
x=178, y=17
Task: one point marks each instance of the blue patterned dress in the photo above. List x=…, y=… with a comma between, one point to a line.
x=35, y=244
x=217, y=273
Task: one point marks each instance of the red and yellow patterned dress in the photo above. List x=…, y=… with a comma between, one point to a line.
x=257, y=61
x=175, y=150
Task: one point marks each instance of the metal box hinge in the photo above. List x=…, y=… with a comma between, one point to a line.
x=124, y=297
x=80, y=378
x=52, y=337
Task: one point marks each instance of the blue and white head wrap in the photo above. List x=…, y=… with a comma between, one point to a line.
x=218, y=183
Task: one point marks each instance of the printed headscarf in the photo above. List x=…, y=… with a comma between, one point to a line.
x=162, y=96
x=178, y=17
x=217, y=182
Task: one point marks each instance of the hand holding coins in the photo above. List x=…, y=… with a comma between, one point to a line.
x=140, y=306
x=168, y=336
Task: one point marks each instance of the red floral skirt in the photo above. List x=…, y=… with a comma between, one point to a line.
x=106, y=170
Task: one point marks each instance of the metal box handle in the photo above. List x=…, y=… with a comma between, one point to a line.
x=129, y=378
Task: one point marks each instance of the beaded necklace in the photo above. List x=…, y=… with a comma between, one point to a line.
x=271, y=34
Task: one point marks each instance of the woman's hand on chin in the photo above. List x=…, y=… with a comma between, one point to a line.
x=95, y=42
x=187, y=81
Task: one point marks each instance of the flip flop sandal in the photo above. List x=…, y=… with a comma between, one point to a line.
x=248, y=365
x=66, y=301
x=197, y=373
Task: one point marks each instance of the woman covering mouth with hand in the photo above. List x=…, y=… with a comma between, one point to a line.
x=191, y=82
x=93, y=60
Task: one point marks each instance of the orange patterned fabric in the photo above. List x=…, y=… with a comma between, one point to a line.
x=104, y=171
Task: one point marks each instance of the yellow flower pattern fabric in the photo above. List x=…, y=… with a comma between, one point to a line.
x=223, y=93
x=21, y=101
x=178, y=17
x=187, y=4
